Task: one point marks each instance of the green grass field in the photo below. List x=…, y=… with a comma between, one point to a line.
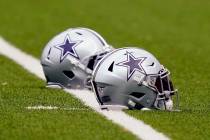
x=177, y=32
x=19, y=90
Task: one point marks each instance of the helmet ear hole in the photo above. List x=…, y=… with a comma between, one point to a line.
x=137, y=94
x=69, y=74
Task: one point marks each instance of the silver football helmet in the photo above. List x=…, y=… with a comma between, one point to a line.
x=68, y=59
x=132, y=78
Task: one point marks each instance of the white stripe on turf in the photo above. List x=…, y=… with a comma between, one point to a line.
x=137, y=127
x=41, y=107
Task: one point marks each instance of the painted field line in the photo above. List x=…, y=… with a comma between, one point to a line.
x=41, y=107
x=137, y=127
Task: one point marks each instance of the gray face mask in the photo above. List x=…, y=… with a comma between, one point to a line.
x=164, y=88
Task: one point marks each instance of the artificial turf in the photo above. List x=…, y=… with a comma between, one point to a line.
x=19, y=90
x=177, y=32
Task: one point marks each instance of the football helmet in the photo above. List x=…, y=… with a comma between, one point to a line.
x=68, y=59
x=132, y=78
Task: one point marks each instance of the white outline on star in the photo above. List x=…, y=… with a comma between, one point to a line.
x=73, y=48
x=140, y=69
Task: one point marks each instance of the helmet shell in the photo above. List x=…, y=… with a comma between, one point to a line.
x=66, y=56
x=118, y=77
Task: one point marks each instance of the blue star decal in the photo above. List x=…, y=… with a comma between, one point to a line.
x=68, y=48
x=133, y=64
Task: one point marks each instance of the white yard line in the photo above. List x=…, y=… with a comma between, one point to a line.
x=137, y=127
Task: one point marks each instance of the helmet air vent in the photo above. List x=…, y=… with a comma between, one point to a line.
x=153, y=63
x=111, y=67
x=78, y=33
